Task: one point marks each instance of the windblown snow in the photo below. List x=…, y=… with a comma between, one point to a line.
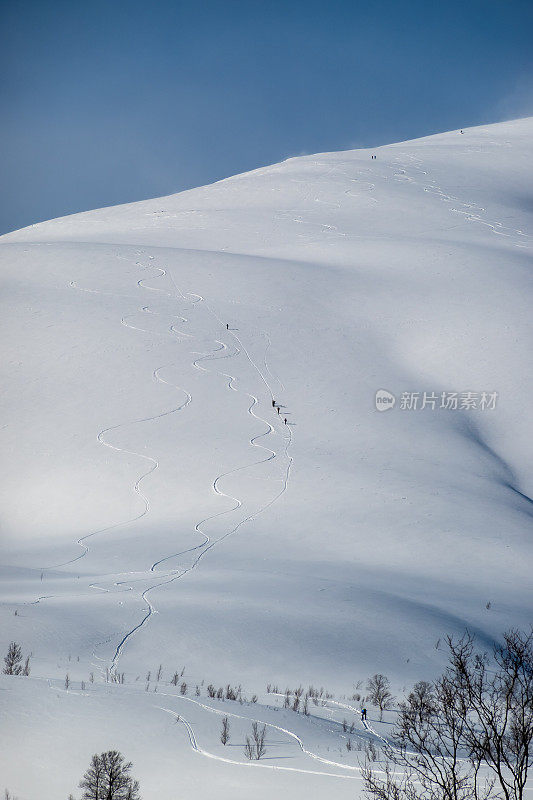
x=157, y=508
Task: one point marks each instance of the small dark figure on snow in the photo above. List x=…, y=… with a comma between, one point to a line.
x=363, y=714
x=273, y=404
x=278, y=409
x=227, y=326
x=285, y=420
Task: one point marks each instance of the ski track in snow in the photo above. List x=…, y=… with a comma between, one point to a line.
x=136, y=487
x=207, y=544
x=470, y=211
x=286, y=731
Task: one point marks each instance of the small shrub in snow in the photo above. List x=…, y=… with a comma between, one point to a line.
x=224, y=732
x=255, y=747
x=13, y=660
x=371, y=752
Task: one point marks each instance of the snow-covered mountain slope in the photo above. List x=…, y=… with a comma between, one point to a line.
x=157, y=509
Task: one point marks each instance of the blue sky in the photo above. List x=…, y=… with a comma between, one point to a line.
x=109, y=102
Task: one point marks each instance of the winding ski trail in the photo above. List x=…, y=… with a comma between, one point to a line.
x=152, y=464
x=204, y=547
x=470, y=211
x=298, y=741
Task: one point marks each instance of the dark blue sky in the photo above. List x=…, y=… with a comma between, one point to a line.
x=109, y=102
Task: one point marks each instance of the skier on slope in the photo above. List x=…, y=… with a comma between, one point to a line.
x=363, y=715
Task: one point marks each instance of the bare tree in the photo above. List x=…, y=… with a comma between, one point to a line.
x=249, y=750
x=255, y=748
x=67, y=681
x=224, y=732
x=26, y=669
x=13, y=660
x=259, y=736
x=379, y=694
x=108, y=778
x=498, y=692
x=468, y=735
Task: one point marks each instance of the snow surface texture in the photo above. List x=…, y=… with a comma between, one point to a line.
x=156, y=507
